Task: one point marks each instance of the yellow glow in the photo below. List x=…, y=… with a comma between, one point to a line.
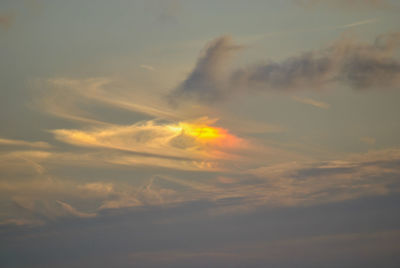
x=203, y=131
x=82, y=137
x=205, y=134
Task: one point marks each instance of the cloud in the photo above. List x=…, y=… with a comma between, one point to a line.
x=312, y=102
x=309, y=70
x=183, y=145
x=74, y=212
x=23, y=162
x=42, y=210
x=74, y=99
x=35, y=144
x=38, y=195
x=358, y=23
x=186, y=235
x=97, y=188
x=123, y=201
x=278, y=185
x=356, y=64
x=294, y=183
x=147, y=67
x=370, y=66
x=206, y=82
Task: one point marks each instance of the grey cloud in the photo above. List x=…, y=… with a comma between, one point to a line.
x=372, y=66
x=353, y=63
x=207, y=82
x=356, y=64
x=309, y=69
x=356, y=233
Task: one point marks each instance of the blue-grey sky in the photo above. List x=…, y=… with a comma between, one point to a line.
x=199, y=133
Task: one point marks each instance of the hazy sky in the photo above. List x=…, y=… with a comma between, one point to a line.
x=166, y=133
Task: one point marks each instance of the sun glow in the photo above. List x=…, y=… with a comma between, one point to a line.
x=204, y=133
x=187, y=139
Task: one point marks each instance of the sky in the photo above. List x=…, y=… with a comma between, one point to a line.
x=167, y=133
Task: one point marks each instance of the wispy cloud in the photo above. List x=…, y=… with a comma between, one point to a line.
x=293, y=183
x=358, y=23
x=147, y=67
x=312, y=102
x=68, y=98
x=35, y=144
x=74, y=212
x=184, y=145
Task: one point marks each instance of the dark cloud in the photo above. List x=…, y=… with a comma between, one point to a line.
x=356, y=233
x=369, y=66
x=207, y=82
x=307, y=70
x=356, y=64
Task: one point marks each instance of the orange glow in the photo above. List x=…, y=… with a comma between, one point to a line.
x=203, y=131
x=206, y=134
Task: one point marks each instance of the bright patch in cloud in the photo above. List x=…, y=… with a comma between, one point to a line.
x=190, y=142
x=206, y=134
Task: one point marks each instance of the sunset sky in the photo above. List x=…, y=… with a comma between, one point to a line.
x=167, y=133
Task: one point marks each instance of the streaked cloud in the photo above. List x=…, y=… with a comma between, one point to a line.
x=153, y=135
x=147, y=67
x=358, y=23
x=187, y=144
x=312, y=102
x=74, y=212
x=35, y=144
x=98, y=188
x=67, y=98
x=364, y=174
x=47, y=197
